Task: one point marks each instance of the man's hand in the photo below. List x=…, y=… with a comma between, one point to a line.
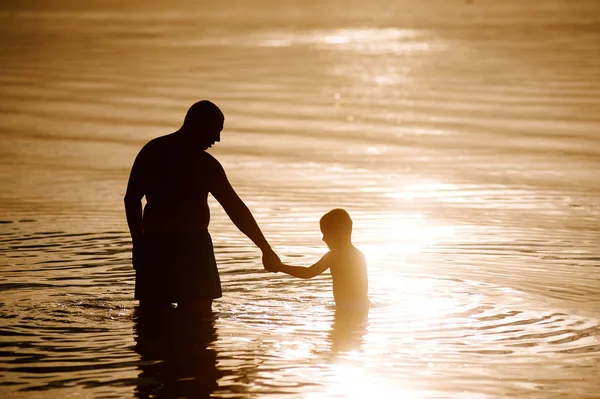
x=271, y=261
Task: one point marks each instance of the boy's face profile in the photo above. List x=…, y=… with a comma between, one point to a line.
x=334, y=238
x=328, y=238
x=336, y=227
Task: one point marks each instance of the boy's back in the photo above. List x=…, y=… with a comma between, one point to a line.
x=349, y=274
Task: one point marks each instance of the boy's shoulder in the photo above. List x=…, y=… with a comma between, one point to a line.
x=345, y=255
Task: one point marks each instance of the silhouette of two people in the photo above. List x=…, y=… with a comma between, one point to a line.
x=174, y=259
x=172, y=250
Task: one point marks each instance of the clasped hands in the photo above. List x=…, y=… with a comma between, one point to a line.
x=271, y=261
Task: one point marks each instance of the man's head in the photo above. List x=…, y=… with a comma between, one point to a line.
x=203, y=123
x=336, y=227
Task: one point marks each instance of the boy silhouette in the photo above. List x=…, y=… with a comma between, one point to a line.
x=347, y=263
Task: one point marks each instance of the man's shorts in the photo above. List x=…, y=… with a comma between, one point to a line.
x=177, y=267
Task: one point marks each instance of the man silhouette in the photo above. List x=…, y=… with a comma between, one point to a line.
x=172, y=251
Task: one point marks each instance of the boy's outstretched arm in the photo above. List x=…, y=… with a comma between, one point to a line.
x=308, y=272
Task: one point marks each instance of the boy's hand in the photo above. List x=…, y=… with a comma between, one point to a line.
x=271, y=261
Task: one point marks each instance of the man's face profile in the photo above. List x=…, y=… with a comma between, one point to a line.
x=210, y=134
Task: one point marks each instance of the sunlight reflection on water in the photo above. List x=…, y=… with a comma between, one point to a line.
x=369, y=40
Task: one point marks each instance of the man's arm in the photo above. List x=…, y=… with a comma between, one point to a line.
x=133, y=208
x=307, y=272
x=240, y=215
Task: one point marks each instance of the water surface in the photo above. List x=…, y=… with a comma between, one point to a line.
x=462, y=138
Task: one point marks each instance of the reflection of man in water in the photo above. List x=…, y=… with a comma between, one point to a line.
x=172, y=250
x=177, y=355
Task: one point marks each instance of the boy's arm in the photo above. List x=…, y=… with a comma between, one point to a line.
x=308, y=272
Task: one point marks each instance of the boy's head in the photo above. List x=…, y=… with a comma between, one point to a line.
x=336, y=227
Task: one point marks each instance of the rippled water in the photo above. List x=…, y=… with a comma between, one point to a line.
x=462, y=138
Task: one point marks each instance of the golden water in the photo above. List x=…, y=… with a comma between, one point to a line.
x=462, y=138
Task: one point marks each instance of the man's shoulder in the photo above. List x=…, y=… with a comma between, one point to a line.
x=153, y=146
x=210, y=162
x=159, y=141
x=210, y=157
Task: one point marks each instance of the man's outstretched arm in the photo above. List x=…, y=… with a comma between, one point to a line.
x=241, y=216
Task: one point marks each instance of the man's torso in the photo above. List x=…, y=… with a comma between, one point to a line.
x=177, y=181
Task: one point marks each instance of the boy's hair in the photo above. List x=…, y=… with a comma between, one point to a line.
x=337, y=219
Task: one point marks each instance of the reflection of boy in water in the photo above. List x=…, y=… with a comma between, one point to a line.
x=347, y=263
